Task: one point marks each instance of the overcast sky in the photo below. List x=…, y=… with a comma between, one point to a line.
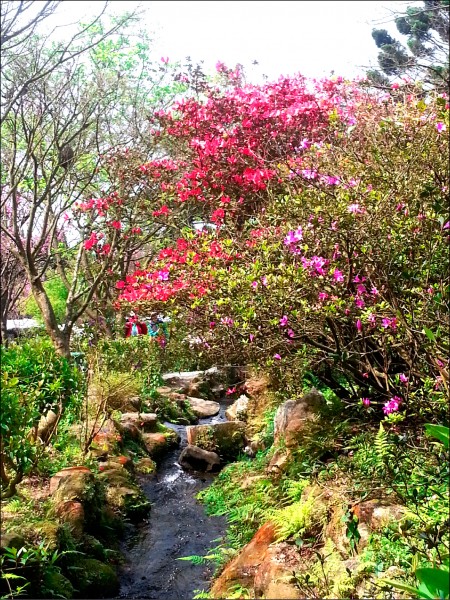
x=285, y=37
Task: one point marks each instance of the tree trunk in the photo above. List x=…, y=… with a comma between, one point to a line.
x=3, y=333
x=60, y=339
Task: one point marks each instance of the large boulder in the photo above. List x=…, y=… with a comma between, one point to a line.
x=107, y=441
x=273, y=577
x=238, y=410
x=226, y=439
x=158, y=443
x=241, y=570
x=64, y=474
x=123, y=495
x=145, y=421
x=11, y=539
x=292, y=416
x=193, y=457
x=203, y=408
x=71, y=513
x=93, y=579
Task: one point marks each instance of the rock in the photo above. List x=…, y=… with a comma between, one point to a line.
x=203, y=408
x=11, y=539
x=46, y=425
x=238, y=410
x=93, y=579
x=146, y=466
x=144, y=421
x=130, y=431
x=72, y=513
x=55, y=585
x=278, y=462
x=123, y=495
x=226, y=439
x=157, y=444
x=241, y=570
x=273, y=575
x=107, y=441
x=291, y=417
x=65, y=473
x=198, y=459
x=164, y=390
x=256, y=386
x=374, y=515
x=116, y=462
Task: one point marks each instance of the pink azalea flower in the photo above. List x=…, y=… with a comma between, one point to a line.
x=264, y=280
x=360, y=303
x=372, y=319
x=254, y=284
x=447, y=225
x=290, y=333
x=338, y=276
x=277, y=356
x=359, y=325
x=251, y=337
x=365, y=401
x=283, y=321
x=392, y=405
x=403, y=378
x=441, y=127
x=323, y=296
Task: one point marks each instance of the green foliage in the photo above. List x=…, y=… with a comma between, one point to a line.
x=302, y=518
x=34, y=380
x=23, y=567
x=57, y=293
x=139, y=356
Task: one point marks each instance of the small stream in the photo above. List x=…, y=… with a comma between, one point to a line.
x=177, y=526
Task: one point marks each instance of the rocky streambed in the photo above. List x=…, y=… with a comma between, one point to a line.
x=176, y=527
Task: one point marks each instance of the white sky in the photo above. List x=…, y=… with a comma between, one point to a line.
x=285, y=37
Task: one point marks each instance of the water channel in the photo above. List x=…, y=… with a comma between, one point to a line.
x=177, y=526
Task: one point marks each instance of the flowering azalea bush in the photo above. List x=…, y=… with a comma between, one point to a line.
x=323, y=234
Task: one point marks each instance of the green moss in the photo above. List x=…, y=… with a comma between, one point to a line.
x=92, y=578
x=55, y=585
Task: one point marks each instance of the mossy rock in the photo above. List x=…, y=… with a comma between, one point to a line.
x=145, y=466
x=115, y=477
x=91, y=578
x=92, y=547
x=129, y=501
x=55, y=585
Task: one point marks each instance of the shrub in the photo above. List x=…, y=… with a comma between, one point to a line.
x=34, y=380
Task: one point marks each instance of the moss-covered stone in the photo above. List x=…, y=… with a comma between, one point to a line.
x=55, y=585
x=145, y=466
x=92, y=578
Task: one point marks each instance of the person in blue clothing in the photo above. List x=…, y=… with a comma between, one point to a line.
x=157, y=328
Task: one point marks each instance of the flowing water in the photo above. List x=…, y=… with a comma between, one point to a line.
x=177, y=526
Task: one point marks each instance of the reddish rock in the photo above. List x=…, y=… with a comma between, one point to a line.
x=241, y=570
x=72, y=513
x=144, y=421
x=272, y=577
x=63, y=474
x=374, y=515
x=155, y=443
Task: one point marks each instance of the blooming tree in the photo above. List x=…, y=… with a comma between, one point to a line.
x=330, y=231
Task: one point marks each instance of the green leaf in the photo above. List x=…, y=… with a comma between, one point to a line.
x=440, y=432
x=430, y=335
x=403, y=586
x=435, y=580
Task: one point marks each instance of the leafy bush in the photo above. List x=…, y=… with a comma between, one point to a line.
x=34, y=380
